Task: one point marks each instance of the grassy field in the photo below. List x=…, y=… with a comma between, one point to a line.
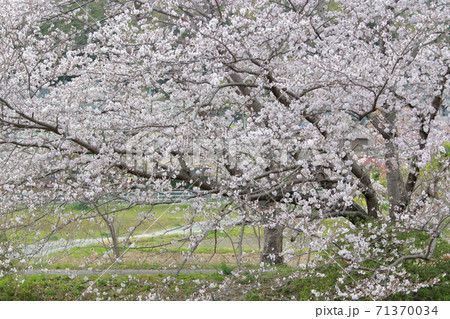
x=218, y=251
x=80, y=221
x=88, y=224
x=187, y=286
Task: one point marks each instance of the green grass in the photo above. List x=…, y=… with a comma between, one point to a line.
x=164, y=217
x=225, y=269
x=58, y=287
x=206, y=247
x=42, y=287
x=424, y=271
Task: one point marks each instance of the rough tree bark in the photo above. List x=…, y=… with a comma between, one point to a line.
x=273, y=236
x=273, y=245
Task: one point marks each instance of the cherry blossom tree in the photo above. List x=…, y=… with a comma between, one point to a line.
x=292, y=112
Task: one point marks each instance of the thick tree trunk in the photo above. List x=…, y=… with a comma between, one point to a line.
x=367, y=188
x=273, y=239
x=273, y=245
x=395, y=185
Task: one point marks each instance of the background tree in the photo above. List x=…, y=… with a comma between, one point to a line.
x=258, y=103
